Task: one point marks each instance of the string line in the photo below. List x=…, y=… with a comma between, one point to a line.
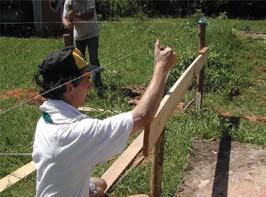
x=36, y=97
x=60, y=22
x=61, y=85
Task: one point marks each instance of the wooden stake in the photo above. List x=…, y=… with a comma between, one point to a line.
x=200, y=77
x=68, y=39
x=157, y=168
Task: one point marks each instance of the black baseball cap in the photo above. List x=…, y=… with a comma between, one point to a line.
x=67, y=62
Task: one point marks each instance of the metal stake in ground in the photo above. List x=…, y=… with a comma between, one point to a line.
x=200, y=77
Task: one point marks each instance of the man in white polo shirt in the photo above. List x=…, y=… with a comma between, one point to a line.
x=68, y=144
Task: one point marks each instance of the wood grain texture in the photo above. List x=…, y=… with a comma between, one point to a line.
x=16, y=176
x=123, y=161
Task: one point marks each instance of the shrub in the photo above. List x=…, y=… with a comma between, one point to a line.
x=116, y=8
x=219, y=75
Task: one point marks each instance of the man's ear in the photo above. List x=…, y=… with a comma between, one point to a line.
x=69, y=87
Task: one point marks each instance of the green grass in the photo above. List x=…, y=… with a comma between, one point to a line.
x=235, y=63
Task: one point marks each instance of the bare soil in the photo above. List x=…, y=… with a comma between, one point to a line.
x=224, y=168
x=251, y=118
x=255, y=35
x=23, y=94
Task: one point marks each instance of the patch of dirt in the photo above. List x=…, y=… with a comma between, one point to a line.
x=134, y=93
x=263, y=70
x=181, y=106
x=137, y=90
x=224, y=168
x=251, y=118
x=255, y=35
x=22, y=94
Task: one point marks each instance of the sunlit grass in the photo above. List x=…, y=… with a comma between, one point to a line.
x=126, y=52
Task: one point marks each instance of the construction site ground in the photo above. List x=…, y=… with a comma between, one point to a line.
x=224, y=168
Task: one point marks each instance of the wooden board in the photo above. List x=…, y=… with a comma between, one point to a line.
x=203, y=50
x=110, y=176
x=91, y=109
x=123, y=161
x=16, y=176
x=170, y=101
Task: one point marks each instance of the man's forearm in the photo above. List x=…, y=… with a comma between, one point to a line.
x=149, y=103
x=143, y=113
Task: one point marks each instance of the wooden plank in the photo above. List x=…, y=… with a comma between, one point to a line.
x=123, y=161
x=16, y=176
x=110, y=176
x=91, y=109
x=170, y=101
x=203, y=50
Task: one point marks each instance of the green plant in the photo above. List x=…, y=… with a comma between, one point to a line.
x=246, y=28
x=109, y=9
x=184, y=61
x=222, y=16
x=234, y=64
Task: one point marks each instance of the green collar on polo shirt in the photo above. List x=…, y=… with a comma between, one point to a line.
x=47, y=118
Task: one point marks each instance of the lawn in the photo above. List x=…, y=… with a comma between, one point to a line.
x=234, y=83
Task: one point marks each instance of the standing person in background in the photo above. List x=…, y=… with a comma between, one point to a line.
x=81, y=15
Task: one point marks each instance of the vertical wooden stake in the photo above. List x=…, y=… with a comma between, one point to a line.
x=200, y=77
x=157, y=165
x=68, y=39
x=157, y=168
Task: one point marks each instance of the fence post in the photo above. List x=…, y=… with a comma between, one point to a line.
x=157, y=167
x=200, y=77
x=68, y=39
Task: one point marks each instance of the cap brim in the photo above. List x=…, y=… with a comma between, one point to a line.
x=93, y=69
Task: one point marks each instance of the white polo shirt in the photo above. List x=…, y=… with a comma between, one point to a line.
x=68, y=145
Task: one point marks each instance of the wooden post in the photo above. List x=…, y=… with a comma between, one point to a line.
x=68, y=39
x=157, y=168
x=200, y=77
x=157, y=165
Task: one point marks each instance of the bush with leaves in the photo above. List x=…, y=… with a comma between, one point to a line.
x=116, y=8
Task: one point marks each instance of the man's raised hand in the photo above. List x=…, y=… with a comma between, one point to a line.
x=164, y=57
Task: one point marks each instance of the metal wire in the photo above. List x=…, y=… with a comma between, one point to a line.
x=59, y=86
x=36, y=97
x=15, y=154
x=60, y=22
